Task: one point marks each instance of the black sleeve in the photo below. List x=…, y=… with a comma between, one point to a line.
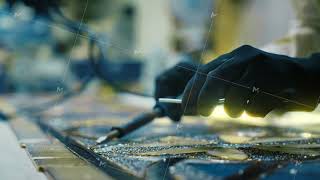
x=312, y=70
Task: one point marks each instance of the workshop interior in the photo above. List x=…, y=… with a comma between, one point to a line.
x=80, y=97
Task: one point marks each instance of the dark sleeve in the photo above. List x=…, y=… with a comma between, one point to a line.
x=312, y=70
x=312, y=66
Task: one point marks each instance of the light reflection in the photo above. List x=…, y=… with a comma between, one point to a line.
x=219, y=114
x=308, y=121
x=306, y=135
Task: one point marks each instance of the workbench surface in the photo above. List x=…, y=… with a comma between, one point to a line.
x=59, y=142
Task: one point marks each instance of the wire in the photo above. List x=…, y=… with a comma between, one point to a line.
x=95, y=62
x=78, y=89
x=56, y=16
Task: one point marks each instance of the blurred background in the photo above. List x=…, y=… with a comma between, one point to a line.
x=52, y=46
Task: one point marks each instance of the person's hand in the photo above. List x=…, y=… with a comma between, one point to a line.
x=250, y=80
x=171, y=84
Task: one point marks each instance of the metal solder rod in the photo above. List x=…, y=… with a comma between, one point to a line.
x=179, y=101
x=134, y=124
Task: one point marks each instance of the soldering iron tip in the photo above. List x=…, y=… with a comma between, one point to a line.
x=101, y=139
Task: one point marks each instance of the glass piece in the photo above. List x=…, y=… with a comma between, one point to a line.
x=235, y=138
x=174, y=151
x=228, y=154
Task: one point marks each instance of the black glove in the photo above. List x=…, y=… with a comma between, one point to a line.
x=171, y=84
x=252, y=80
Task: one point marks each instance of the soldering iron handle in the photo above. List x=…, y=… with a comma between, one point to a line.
x=139, y=121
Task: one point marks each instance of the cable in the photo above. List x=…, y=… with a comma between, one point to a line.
x=56, y=16
x=95, y=62
x=78, y=89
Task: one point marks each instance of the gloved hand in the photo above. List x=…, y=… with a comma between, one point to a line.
x=170, y=84
x=252, y=80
